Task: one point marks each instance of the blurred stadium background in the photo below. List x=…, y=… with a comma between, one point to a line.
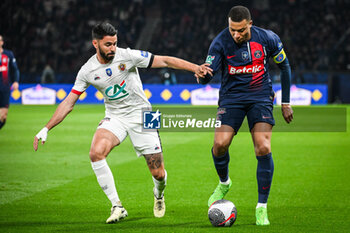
x=55, y=190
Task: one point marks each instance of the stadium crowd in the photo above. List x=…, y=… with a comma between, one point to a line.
x=316, y=36
x=57, y=32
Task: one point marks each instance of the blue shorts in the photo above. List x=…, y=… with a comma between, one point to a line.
x=4, y=97
x=257, y=112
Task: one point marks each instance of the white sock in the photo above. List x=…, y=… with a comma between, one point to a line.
x=106, y=181
x=159, y=186
x=261, y=205
x=227, y=182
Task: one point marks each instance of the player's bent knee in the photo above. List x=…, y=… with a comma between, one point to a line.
x=98, y=153
x=100, y=148
x=220, y=147
x=262, y=149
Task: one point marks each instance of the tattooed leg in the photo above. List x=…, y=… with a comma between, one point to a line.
x=156, y=166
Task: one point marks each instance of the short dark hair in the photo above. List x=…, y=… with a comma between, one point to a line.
x=239, y=13
x=103, y=29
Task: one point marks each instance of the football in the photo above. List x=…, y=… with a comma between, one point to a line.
x=222, y=213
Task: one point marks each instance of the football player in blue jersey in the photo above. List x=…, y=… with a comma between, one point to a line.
x=8, y=72
x=241, y=53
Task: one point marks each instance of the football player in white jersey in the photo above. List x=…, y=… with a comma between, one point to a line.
x=113, y=71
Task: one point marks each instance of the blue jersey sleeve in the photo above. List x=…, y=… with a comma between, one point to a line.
x=13, y=68
x=214, y=60
x=285, y=80
x=275, y=47
x=280, y=58
x=214, y=56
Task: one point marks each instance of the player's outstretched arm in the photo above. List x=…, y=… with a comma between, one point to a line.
x=63, y=109
x=180, y=64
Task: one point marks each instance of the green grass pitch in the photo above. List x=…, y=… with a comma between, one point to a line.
x=55, y=189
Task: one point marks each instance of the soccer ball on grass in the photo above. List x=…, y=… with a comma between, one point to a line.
x=222, y=213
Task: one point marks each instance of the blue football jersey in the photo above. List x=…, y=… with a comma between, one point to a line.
x=245, y=77
x=8, y=68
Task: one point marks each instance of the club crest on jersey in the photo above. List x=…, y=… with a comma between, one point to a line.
x=144, y=53
x=210, y=59
x=116, y=91
x=109, y=71
x=257, y=54
x=245, y=55
x=221, y=111
x=121, y=67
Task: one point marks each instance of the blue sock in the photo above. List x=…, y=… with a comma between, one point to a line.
x=264, y=175
x=221, y=165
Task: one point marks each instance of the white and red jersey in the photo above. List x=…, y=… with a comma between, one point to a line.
x=118, y=81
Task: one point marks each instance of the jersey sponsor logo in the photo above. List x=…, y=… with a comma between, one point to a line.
x=245, y=55
x=210, y=59
x=109, y=71
x=257, y=54
x=229, y=57
x=121, y=67
x=280, y=57
x=144, y=53
x=116, y=91
x=249, y=69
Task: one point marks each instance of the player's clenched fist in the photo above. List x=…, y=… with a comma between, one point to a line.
x=42, y=135
x=202, y=70
x=287, y=113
